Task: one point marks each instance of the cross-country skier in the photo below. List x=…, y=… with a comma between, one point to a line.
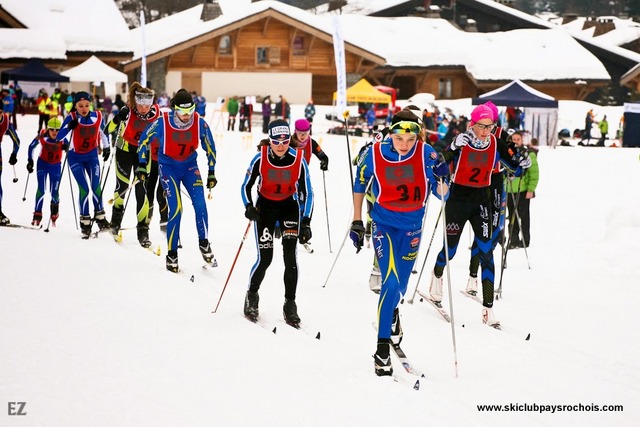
x=48, y=166
x=475, y=154
x=178, y=133
x=131, y=121
x=402, y=170
x=6, y=127
x=85, y=129
x=284, y=195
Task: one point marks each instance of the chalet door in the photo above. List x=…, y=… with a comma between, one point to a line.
x=192, y=82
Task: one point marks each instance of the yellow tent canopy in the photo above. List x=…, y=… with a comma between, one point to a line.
x=364, y=92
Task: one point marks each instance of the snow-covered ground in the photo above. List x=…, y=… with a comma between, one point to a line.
x=96, y=333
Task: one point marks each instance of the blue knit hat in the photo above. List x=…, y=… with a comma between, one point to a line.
x=81, y=96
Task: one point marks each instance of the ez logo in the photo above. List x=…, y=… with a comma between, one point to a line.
x=17, y=408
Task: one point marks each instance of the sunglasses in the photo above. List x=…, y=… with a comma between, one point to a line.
x=280, y=141
x=485, y=127
x=188, y=110
x=405, y=127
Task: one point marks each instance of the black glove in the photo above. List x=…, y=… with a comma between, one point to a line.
x=357, y=234
x=73, y=124
x=122, y=115
x=324, y=161
x=305, y=231
x=251, y=213
x=141, y=172
x=30, y=166
x=211, y=180
x=65, y=147
x=13, y=159
x=105, y=153
x=441, y=168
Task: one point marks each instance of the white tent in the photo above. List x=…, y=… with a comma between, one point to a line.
x=95, y=71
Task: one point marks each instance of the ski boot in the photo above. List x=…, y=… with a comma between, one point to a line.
x=435, y=288
x=290, y=312
x=85, y=226
x=143, y=235
x=375, y=280
x=37, y=218
x=472, y=286
x=116, y=219
x=101, y=220
x=396, y=328
x=55, y=209
x=205, y=250
x=488, y=318
x=4, y=220
x=251, y=305
x=172, y=261
x=382, y=359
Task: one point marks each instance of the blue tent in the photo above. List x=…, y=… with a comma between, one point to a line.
x=32, y=71
x=517, y=94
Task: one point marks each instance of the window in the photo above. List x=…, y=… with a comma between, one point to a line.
x=262, y=55
x=298, y=46
x=267, y=55
x=445, y=88
x=224, y=46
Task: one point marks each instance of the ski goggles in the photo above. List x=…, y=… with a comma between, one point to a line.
x=183, y=110
x=405, y=127
x=282, y=140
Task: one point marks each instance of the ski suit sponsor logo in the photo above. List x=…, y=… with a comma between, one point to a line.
x=453, y=228
x=414, y=242
x=410, y=256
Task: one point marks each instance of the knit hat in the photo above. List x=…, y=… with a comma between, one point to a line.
x=54, y=123
x=279, y=130
x=494, y=110
x=303, y=125
x=81, y=96
x=182, y=99
x=481, y=112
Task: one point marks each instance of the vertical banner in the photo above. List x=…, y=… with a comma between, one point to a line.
x=341, y=72
x=143, y=62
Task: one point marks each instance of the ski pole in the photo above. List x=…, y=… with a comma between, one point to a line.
x=446, y=257
x=244, y=237
x=498, y=292
x=326, y=208
x=73, y=200
x=15, y=177
x=435, y=228
x=346, y=134
x=64, y=164
x=24, y=196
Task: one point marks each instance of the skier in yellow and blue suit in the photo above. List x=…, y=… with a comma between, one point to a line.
x=178, y=133
x=404, y=169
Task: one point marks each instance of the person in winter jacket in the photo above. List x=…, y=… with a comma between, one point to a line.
x=232, y=108
x=521, y=190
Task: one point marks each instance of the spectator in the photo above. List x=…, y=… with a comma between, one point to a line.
x=588, y=123
x=309, y=111
x=232, y=108
x=266, y=113
x=604, y=131
x=522, y=190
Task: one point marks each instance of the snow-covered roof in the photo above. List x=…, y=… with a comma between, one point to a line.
x=83, y=26
x=402, y=43
x=25, y=43
x=361, y=7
